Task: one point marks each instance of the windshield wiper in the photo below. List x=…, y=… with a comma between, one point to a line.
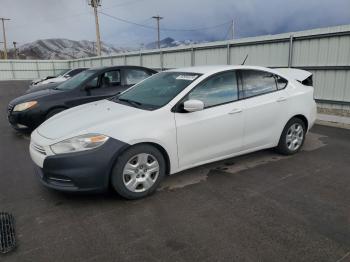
x=132, y=102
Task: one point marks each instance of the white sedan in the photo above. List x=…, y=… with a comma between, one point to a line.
x=172, y=121
x=58, y=79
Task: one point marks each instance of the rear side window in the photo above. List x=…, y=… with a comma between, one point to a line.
x=219, y=89
x=257, y=83
x=133, y=76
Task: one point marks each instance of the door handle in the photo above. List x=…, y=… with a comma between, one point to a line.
x=235, y=111
x=281, y=99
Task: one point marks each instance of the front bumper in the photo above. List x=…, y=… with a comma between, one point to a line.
x=82, y=171
x=26, y=120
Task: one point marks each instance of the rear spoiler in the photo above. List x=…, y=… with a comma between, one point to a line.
x=302, y=76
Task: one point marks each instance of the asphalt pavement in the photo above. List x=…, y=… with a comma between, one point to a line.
x=257, y=207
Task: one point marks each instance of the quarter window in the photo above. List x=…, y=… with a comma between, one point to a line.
x=219, y=89
x=257, y=83
x=133, y=76
x=281, y=82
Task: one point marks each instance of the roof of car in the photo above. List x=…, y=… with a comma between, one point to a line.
x=118, y=66
x=216, y=68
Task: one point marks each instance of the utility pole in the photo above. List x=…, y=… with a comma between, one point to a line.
x=233, y=29
x=95, y=4
x=16, y=51
x=158, y=18
x=4, y=35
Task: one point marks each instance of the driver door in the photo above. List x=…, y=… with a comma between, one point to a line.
x=217, y=130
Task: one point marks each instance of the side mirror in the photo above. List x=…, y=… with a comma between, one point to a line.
x=193, y=105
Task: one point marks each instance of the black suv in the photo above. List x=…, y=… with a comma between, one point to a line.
x=27, y=112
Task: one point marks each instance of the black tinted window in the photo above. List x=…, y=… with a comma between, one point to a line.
x=257, y=82
x=133, y=76
x=219, y=89
x=110, y=78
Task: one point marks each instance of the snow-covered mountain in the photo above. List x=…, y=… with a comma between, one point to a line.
x=170, y=42
x=58, y=48
x=62, y=49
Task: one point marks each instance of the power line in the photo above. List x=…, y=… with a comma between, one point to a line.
x=164, y=29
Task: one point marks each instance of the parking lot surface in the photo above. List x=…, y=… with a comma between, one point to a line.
x=257, y=207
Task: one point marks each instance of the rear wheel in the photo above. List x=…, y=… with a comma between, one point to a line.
x=138, y=172
x=292, y=138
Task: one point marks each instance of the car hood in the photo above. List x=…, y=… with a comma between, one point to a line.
x=34, y=96
x=33, y=89
x=86, y=118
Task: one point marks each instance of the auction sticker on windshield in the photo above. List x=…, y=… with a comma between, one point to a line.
x=187, y=77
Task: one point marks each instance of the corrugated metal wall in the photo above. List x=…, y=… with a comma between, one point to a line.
x=325, y=52
x=31, y=69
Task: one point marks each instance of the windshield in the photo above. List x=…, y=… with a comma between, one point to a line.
x=62, y=72
x=75, y=81
x=157, y=90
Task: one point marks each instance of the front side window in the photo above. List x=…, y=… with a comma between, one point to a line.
x=133, y=76
x=93, y=83
x=257, y=83
x=219, y=89
x=157, y=90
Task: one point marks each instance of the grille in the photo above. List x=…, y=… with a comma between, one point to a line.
x=39, y=149
x=7, y=233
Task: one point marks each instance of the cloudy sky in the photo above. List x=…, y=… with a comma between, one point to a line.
x=73, y=19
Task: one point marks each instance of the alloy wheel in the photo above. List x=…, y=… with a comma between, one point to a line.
x=295, y=137
x=140, y=172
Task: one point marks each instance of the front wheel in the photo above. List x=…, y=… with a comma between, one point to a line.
x=138, y=172
x=292, y=137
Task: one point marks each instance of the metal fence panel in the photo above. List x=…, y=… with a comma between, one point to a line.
x=152, y=60
x=324, y=51
x=133, y=60
x=177, y=59
x=327, y=51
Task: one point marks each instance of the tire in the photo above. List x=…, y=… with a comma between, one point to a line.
x=132, y=178
x=53, y=112
x=292, y=137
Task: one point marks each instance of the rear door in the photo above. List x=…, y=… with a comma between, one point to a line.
x=216, y=131
x=265, y=100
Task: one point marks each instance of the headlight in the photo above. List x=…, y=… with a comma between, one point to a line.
x=24, y=106
x=79, y=143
